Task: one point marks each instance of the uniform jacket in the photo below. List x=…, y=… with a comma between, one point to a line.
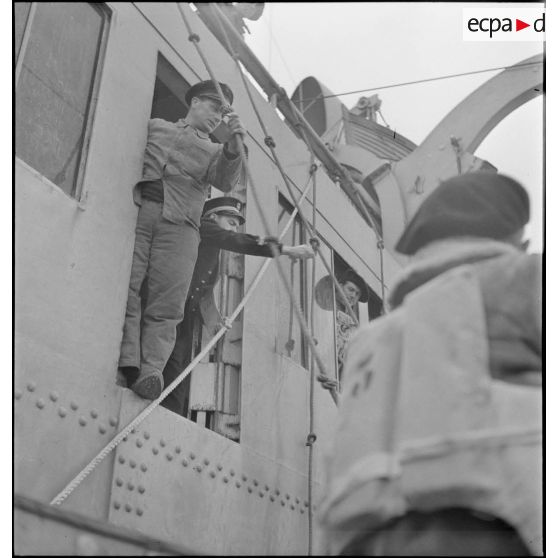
x=188, y=163
x=213, y=240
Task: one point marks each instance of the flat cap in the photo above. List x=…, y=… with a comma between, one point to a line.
x=480, y=204
x=207, y=89
x=227, y=205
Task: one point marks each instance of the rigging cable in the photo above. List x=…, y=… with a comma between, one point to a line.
x=415, y=82
x=82, y=475
x=223, y=20
x=311, y=438
x=270, y=143
x=349, y=246
x=364, y=208
x=272, y=36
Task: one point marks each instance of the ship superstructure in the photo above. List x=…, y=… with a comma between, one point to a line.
x=233, y=477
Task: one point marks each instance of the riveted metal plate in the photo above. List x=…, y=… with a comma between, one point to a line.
x=211, y=500
x=56, y=435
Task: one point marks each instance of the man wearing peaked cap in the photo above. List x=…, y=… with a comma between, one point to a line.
x=219, y=231
x=224, y=206
x=180, y=164
x=206, y=89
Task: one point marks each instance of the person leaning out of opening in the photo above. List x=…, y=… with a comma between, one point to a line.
x=219, y=231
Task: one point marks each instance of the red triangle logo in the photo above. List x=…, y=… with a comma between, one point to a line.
x=519, y=25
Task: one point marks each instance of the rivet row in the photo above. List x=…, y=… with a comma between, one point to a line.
x=199, y=469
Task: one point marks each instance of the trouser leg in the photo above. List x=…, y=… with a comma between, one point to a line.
x=130, y=354
x=174, y=251
x=177, y=363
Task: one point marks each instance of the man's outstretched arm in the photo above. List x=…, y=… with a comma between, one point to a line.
x=249, y=244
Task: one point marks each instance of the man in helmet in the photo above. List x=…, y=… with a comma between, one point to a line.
x=180, y=163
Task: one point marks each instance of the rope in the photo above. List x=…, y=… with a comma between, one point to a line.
x=290, y=341
x=311, y=435
x=379, y=240
x=255, y=140
x=425, y=80
x=271, y=144
x=80, y=477
x=250, y=180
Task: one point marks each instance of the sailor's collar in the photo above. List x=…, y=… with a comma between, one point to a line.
x=183, y=124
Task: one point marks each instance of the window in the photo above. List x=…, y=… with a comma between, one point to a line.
x=168, y=96
x=290, y=340
x=59, y=48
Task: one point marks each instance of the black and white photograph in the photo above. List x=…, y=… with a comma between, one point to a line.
x=279, y=279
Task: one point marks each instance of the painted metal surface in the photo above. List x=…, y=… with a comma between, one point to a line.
x=469, y=122
x=56, y=427
x=177, y=481
x=74, y=534
x=73, y=262
x=322, y=114
x=375, y=138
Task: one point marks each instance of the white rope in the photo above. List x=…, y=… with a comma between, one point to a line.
x=80, y=477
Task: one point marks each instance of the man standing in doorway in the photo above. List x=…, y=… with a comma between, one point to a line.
x=180, y=164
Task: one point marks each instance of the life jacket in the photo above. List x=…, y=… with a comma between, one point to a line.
x=423, y=425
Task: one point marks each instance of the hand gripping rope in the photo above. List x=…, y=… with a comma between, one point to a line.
x=80, y=477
